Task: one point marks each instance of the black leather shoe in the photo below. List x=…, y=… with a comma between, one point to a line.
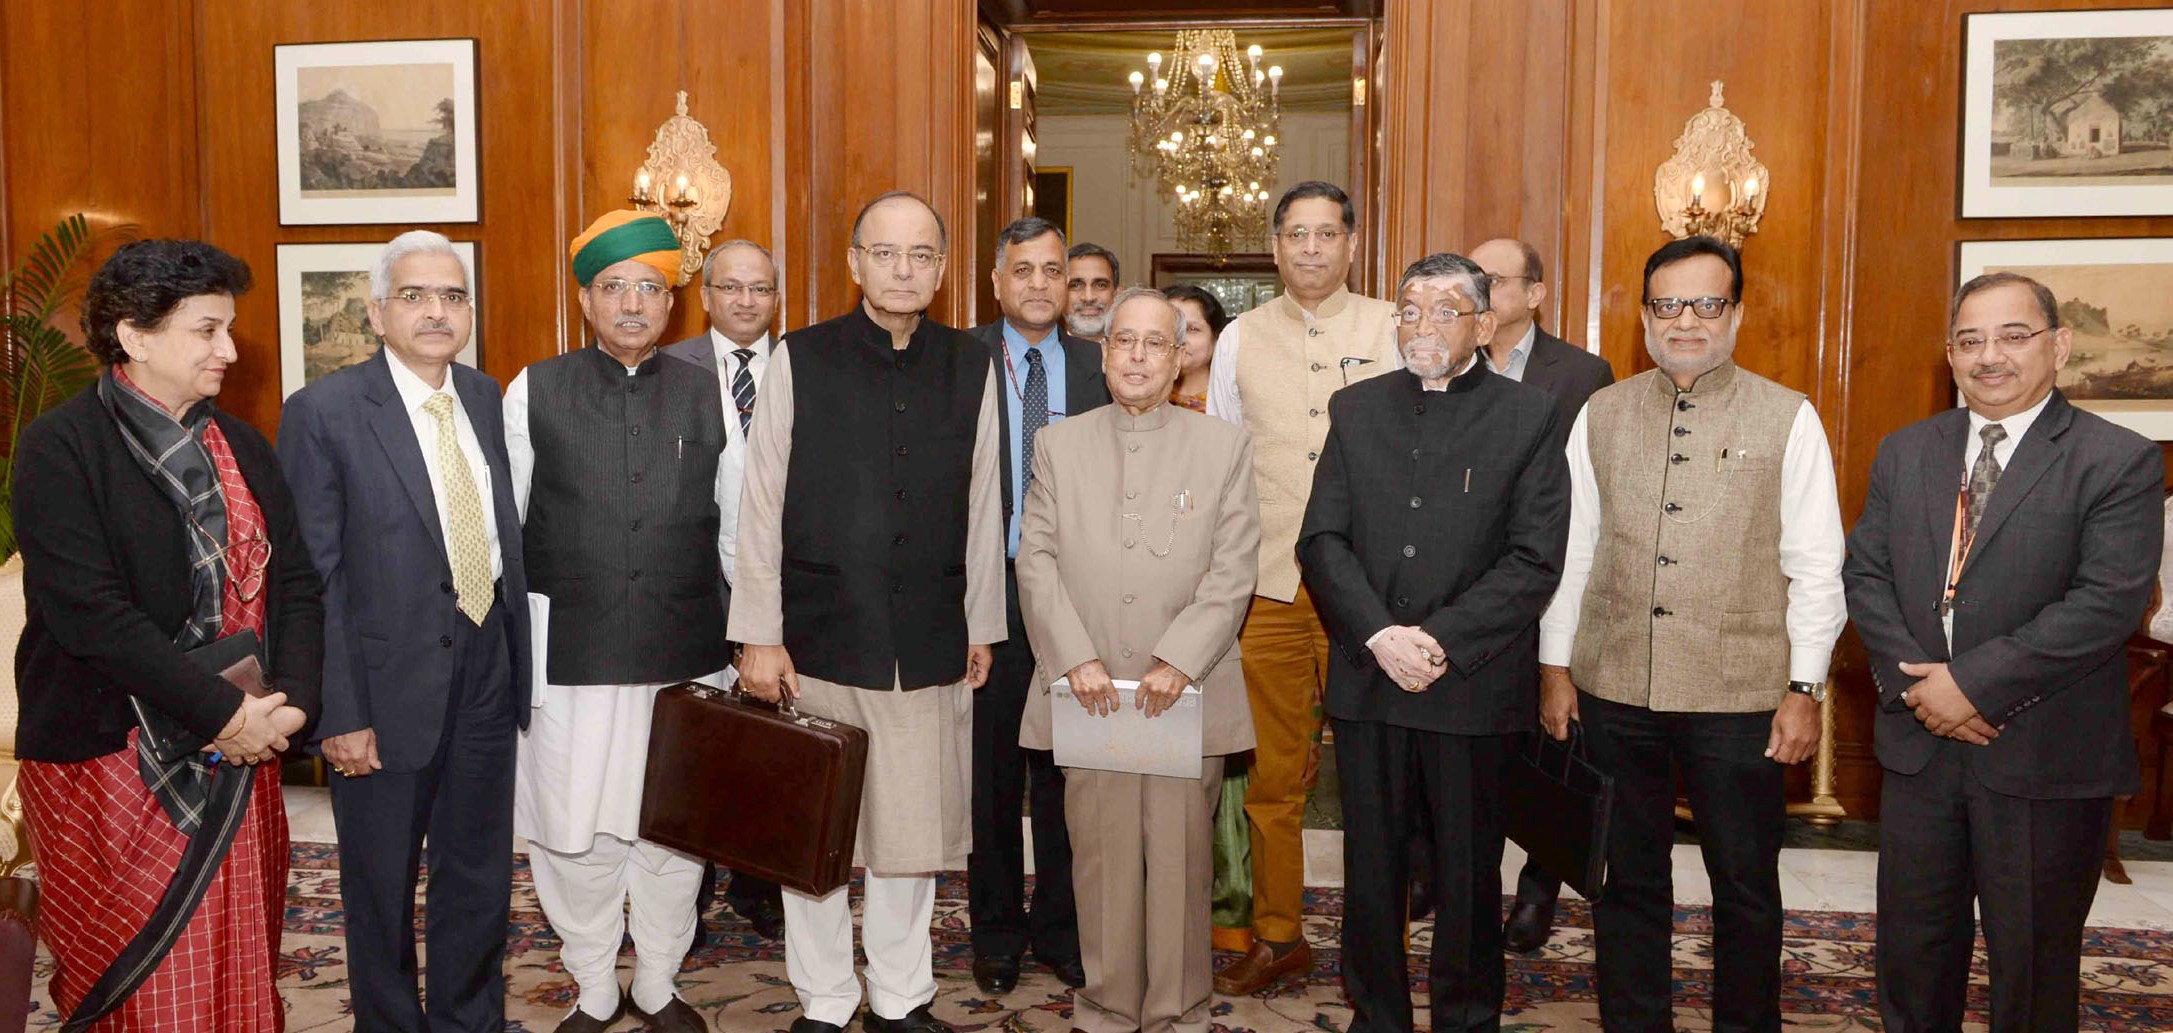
x=995, y=974
x=803, y=1024
x=582, y=1022
x=767, y=918
x=1529, y=926
x=676, y=1016
x=1068, y=970
x=919, y=1020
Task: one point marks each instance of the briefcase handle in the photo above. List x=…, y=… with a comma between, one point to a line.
x=1575, y=752
x=783, y=705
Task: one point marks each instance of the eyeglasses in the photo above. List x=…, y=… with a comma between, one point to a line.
x=2008, y=340
x=1705, y=308
x=451, y=299
x=884, y=254
x=245, y=561
x=753, y=290
x=648, y=289
x=1442, y=315
x=1300, y=235
x=1156, y=344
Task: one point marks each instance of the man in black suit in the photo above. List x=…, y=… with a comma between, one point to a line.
x=2004, y=555
x=739, y=294
x=1522, y=351
x=1043, y=375
x=1432, y=542
x=405, y=495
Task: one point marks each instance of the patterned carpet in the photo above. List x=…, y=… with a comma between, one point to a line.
x=739, y=984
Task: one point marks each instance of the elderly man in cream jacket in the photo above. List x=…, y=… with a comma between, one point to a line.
x=1138, y=551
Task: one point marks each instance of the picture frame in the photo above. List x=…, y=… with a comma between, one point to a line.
x=2067, y=113
x=323, y=325
x=379, y=132
x=1242, y=281
x=2114, y=302
x=1051, y=197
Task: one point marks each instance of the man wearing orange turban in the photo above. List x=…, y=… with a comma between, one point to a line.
x=626, y=597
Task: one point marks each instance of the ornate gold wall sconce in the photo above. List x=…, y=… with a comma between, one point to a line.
x=1712, y=186
x=683, y=182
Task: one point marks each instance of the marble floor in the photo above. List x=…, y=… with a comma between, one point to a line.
x=1811, y=879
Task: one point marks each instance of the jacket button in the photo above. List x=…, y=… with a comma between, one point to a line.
x=635, y=526
x=1664, y=561
x=899, y=540
x=1671, y=508
x=1414, y=502
x=900, y=362
x=1403, y=600
x=446, y=641
x=1659, y=611
x=1317, y=367
x=1678, y=458
x=1684, y=405
x=899, y=494
x=1128, y=598
x=1410, y=551
x=898, y=406
x=1419, y=409
x=635, y=478
x=1682, y=431
x=635, y=576
x=445, y=587
x=901, y=450
x=1414, y=455
x=1312, y=412
x=1127, y=652
x=1131, y=494
x=635, y=431
x=1313, y=456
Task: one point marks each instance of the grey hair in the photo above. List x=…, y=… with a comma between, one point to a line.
x=711, y=262
x=1023, y=229
x=1129, y=293
x=1453, y=266
x=414, y=242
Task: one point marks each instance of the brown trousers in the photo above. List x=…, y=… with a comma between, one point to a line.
x=1285, y=657
x=1143, y=858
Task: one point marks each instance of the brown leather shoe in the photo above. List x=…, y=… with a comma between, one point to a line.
x=1260, y=968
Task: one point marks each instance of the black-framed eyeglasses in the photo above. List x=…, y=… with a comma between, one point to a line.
x=1442, y=315
x=1703, y=308
x=1969, y=345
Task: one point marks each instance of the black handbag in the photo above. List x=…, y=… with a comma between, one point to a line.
x=1558, y=810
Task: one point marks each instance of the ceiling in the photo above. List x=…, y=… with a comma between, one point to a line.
x=1084, y=72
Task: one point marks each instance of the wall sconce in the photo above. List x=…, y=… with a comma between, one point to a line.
x=682, y=182
x=1712, y=186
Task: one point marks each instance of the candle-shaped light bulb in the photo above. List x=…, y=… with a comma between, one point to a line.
x=1697, y=189
x=682, y=188
x=1750, y=188
x=1137, y=80
x=641, y=185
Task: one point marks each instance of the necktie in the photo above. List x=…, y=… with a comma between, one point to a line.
x=1033, y=413
x=464, y=529
x=1983, y=476
x=743, y=387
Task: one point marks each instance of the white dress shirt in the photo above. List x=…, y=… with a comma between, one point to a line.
x=413, y=394
x=2015, y=426
x=732, y=465
x=1222, y=398
x=1812, y=545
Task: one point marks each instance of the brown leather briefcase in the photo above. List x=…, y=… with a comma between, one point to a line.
x=753, y=787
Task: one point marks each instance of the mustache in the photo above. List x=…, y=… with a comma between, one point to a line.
x=1994, y=371
x=640, y=321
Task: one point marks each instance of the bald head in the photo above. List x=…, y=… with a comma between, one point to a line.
x=901, y=201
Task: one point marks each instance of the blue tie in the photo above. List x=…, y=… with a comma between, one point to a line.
x=1033, y=412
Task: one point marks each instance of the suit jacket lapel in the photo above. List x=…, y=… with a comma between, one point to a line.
x=2034, y=454
x=1539, y=365
x=1083, y=386
x=396, y=432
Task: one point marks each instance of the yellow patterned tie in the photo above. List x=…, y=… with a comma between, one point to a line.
x=464, y=513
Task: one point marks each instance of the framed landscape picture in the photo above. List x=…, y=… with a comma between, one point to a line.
x=376, y=132
x=2116, y=299
x=324, y=320
x=2067, y=113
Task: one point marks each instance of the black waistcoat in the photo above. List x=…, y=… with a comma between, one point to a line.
x=875, y=501
x=621, y=530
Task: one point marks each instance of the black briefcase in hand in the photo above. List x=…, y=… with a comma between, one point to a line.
x=754, y=787
x=1558, y=807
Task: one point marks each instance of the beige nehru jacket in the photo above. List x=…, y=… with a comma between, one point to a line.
x=1695, y=478
x=1286, y=370
x=1137, y=543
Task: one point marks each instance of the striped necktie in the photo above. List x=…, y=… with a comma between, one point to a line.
x=464, y=528
x=743, y=387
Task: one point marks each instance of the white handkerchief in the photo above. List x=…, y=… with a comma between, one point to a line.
x=1127, y=740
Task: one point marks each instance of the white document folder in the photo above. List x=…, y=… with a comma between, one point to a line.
x=1127, y=740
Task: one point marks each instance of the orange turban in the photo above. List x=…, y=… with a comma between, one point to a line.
x=621, y=235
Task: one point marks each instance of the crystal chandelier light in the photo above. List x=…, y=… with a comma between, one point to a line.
x=1207, y=130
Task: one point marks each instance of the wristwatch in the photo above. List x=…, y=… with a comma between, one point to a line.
x=1815, y=690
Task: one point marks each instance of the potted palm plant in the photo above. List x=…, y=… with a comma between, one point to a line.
x=42, y=366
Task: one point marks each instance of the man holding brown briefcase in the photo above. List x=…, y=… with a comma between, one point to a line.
x=870, y=585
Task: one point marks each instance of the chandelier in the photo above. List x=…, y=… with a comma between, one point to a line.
x=1207, y=130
